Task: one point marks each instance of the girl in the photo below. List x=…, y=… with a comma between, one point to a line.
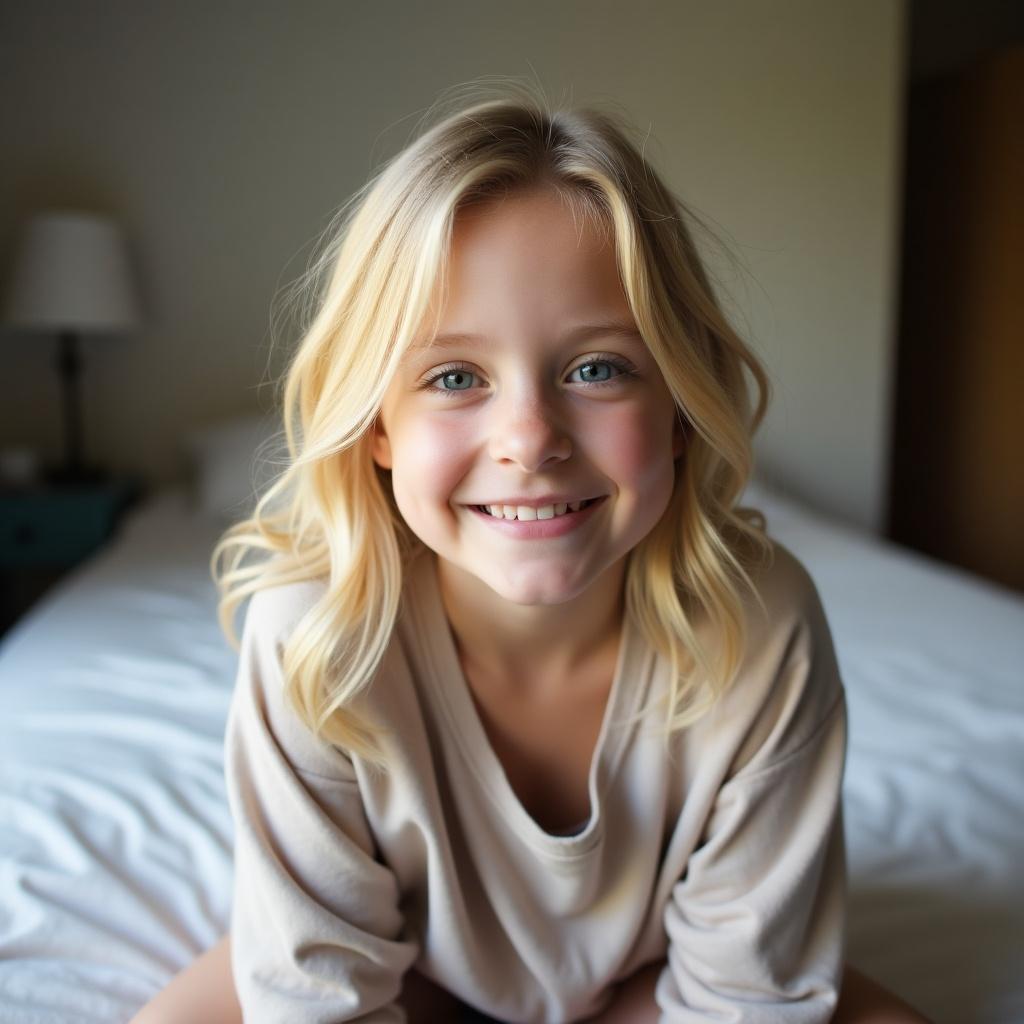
x=531, y=720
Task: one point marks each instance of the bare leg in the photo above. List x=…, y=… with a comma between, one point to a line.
x=861, y=1001
x=205, y=991
x=864, y=1001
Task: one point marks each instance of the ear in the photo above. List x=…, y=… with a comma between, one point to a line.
x=380, y=446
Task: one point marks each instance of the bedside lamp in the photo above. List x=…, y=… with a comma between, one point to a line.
x=71, y=277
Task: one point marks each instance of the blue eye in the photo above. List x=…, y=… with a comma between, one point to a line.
x=460, y=375
x=590, y=379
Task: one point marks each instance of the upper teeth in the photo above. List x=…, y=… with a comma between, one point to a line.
x=529, y=512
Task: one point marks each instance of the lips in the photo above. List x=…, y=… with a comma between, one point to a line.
x=540, y=529
x=529, y=513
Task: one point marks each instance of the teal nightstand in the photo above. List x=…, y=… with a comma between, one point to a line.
x=46, y=530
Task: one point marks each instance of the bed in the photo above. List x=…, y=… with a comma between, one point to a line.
x=115, y=837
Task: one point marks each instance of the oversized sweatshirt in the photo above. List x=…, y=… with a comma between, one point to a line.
x=721, y=858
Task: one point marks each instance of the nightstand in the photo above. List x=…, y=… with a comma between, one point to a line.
x=46, y=530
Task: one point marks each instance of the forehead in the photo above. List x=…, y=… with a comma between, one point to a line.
x=526, y=265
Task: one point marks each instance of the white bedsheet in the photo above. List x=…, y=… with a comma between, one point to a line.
x=933, y=662
x=115, y=839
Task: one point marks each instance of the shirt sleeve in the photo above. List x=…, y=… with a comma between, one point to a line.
x=756, y=925
x=316, y=930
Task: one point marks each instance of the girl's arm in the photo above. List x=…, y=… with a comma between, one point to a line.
x=742, y=947
x=756, y=923
x=315, y=923
x=758, y=920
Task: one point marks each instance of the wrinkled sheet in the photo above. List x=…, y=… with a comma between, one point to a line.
x=115, y=837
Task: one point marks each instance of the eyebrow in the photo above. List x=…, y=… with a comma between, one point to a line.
x=580, y=333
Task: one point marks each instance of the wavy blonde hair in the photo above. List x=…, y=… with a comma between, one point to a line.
x=330, y=514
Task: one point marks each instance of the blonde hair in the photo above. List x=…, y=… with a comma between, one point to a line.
x=330, y=514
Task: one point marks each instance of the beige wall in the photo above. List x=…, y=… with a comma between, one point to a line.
x=224, y=134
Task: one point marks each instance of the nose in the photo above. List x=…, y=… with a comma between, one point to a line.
x=527, y=429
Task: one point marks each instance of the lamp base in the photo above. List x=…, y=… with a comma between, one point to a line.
x=66, y=476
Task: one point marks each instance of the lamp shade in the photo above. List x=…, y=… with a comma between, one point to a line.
x=72, y=272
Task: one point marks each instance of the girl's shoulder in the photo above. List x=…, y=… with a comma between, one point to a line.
x=275, y=610
x=781, y=595
x=786, y=621
x=788, y=687
x=786, y=588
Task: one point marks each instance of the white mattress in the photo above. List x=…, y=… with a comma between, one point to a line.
x=115, y=838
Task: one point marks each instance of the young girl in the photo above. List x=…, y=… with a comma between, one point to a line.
x=531, y=720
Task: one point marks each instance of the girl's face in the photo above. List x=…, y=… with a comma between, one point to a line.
x=545, y=393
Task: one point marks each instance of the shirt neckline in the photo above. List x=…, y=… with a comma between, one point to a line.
x=475, y=745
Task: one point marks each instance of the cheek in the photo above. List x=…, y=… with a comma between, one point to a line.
x=635, y=447
x=428, y=462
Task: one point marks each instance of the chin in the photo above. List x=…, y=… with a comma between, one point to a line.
x=537, y=590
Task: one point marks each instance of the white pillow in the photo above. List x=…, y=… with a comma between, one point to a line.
x=233, y=461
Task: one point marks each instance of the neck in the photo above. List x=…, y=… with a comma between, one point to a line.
x=533, y=645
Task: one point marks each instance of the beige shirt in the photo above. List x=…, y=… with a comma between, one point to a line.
x=723, y=861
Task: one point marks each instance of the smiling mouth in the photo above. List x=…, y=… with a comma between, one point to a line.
x=526, y=513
